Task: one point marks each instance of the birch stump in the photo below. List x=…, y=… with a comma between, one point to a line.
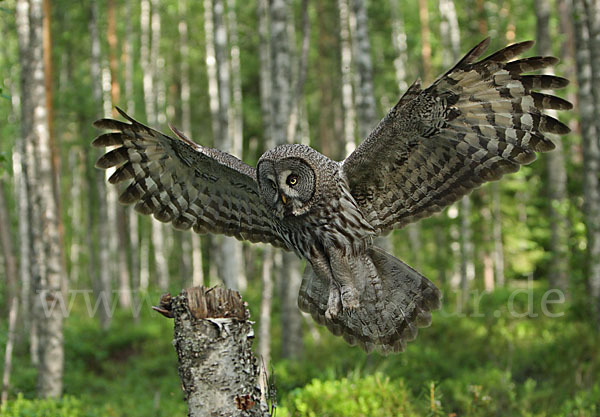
x=213, y=339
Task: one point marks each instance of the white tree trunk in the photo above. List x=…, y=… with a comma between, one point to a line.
x=589, y=112
x=229, y=251
x=557, y=175
x=347, y=89
x=102, y=272
x=290, y=277
x=20, y=169
x=186, y=125
x=366, y=108
x=46, y=240
x=10, y=271
x=497, y=236
x=266, y=302
x=213, y=340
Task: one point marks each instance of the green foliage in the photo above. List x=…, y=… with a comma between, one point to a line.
x=372, y=395
x=66, y=406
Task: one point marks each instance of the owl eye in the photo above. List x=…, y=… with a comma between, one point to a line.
x=291, y=180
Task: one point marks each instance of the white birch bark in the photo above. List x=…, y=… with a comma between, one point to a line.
x=497, y=236
x=49, y=282
x=586, y=30
x=20, y=166
x=28, y=170
x=264, y=329
x=450, y=35
x=10, y=271
x=557, y=175
x=133, y=216
x=235, y=116
x=366, y=108
x=229, y=250
x=186, y=124
x=100, y=268
x=290, y=278
x=347, y=89
x=213, y=339
x=211, y=67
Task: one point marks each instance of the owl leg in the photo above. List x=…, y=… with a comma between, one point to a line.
x=344, y=279
x=322, y=269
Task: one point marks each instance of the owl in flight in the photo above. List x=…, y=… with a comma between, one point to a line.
x=475, y=123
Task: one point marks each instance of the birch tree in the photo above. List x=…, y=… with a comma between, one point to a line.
x=557, y=175
x=347, y=88
x=11, y=273
x=21, y=176
x=366, y=108
x=289, y=277
x=264, y=330
x=48, y=273
x=229, y=250
x=186, y=124
x=586, y=30
x=450, y=35
x=101, y=276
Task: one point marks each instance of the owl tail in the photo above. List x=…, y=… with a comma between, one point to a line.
x=394, y=303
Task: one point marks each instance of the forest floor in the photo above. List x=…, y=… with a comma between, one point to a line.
x=506, y=354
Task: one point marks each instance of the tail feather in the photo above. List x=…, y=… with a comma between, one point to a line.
x=390, y=311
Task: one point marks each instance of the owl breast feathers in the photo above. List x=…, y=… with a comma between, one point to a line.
x=478, y=121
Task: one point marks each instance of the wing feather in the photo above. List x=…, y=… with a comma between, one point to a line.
x=184, y=183
x=477, y=122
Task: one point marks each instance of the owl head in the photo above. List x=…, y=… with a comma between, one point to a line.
x=287, y=179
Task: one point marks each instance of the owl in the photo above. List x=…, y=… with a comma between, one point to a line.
x=478, y=121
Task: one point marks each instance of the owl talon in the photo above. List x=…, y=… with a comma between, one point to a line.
x=334, y=303
x=350, y=299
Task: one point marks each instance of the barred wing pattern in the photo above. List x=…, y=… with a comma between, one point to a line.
x=184, y=183
x=475, y=123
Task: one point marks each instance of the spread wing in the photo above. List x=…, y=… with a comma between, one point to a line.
x=184, y=183
x=475, y=123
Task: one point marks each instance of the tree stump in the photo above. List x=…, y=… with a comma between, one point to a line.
x=213, y=339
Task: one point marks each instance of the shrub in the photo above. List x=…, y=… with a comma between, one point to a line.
x=66, y=406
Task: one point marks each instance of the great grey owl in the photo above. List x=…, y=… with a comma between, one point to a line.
x=475, y=123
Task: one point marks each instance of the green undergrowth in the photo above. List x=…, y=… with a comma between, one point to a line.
x=496, y=357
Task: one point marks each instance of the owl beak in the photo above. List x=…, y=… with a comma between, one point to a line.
x=283, y=198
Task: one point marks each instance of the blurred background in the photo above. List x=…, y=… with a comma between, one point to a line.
x=518, y=260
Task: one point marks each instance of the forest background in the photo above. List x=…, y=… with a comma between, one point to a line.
x=518, y=260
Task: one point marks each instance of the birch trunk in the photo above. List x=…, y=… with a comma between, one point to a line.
x=366, y=109
x=186, y=124
x=467, y=266
x=290, y=277
x=20, y=168
x=158, y=98
x=497, y=236
x=264, y=330
x=10, y=270
x=557, y=175
x=50, y=279
x=213, y=338
x=101, y=273
x=235, y=116
x=133, y=216
x=425, y=41
x=589, y=113
x=120, y=226
x=450, y=36
x=229, y=251
x=347, y=89
x=330, y=137
x=145, y=225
